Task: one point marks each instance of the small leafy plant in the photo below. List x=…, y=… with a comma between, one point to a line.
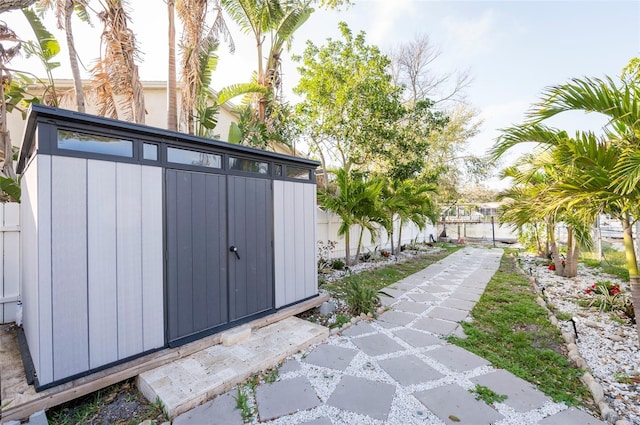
x=607, y=296
x=341, y=319
x=361, y=297
x=487, y=394
x=242, y=404
x=337, y=264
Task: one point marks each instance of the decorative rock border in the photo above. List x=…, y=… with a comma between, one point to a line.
x=594, y=387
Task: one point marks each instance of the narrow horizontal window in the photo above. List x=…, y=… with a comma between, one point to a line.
x=82, y=142
x=201, y=159
x=278, y=170
x=150, y=152
x=298, y=173
x=248, y=165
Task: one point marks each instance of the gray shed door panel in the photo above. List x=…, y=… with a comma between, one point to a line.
x=197, y=252
x=250, y=230
x=207, y=284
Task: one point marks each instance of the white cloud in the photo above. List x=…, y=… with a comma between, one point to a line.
x=472, y=35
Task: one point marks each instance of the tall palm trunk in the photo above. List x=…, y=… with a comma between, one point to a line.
x=357, y=259
x=5, y=139
x=172, y=103
x=554, y=250
x=571, y=268
x=632, y=265
x=399, y=245
x=347, y=248
x=73, y=57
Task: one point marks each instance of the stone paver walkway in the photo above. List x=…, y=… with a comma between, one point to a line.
x=397, y=369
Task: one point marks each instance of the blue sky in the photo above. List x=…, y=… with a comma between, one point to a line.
x=512, y=49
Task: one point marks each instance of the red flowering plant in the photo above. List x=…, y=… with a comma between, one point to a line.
x=605, y=287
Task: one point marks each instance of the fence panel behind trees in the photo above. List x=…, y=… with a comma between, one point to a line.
x=9, y=260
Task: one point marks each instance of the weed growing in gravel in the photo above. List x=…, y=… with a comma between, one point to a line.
x=271, y=375
x=487, y=395
x=242, y=404
x=512, y=331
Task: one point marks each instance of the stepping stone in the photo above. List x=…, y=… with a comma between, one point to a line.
x=461, y=294
x=472, y=290
x=323, y=420
x=411, y=307
x=448, y=314
x=394, y=292
x=434, y=289
x=417, y=339
x=458, y=304
x=571, y=416
x=331, y=356
x=397, y=318
x=285, y=397
x=223, y=408
x=360, y=329
x=422, y=297
x=409, y=370
x=436, y=326
x=456, y=358
x=387, y=301
x=522, y=396
x=363, y=396
x=376, y=345
x=457, y=406
x=290, y=365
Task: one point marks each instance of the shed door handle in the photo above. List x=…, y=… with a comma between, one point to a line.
x=235, y=251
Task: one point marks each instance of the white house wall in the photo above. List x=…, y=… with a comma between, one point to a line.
x=294, y=241
x=105, y=295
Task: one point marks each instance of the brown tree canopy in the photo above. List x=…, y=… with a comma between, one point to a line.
x=6, y=5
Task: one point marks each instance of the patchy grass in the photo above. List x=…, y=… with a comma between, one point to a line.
x=613, y=262
x=381, y=277
x=487, y=395
x=120, y=404
x=512, y=332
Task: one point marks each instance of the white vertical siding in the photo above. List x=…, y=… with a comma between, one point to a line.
x=129, y=268
x=294, y=241
x=101, y=258
x=69, y=266
x=152, y=259
x=9, y=260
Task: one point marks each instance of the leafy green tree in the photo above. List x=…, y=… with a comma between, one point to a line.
x=350, y=109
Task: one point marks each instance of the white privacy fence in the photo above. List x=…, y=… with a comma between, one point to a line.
x=9, y=260
x=327, y=226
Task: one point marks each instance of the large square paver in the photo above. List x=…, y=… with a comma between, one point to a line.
x=434, y=289
x=522, y=396
x=325, y=355
x=417, y=339
x=220, y=410
x=450, y=314
x=397, y=318
x=421, y=297
x=456, y=358
x=461, y=294
x=363, y=396
x=409, y=370
x=376, y=345
x=571, y=416
x=285, y=397
x=359, y=329
x=458, y=304
x=437, y=326
x=457, y=406
x=411, y=307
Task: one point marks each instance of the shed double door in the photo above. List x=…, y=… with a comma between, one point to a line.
x=219, y=251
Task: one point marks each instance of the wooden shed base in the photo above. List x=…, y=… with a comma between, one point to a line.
x=20, y=399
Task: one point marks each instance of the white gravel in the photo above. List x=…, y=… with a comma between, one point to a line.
x=609, y=347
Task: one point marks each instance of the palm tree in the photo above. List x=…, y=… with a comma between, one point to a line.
x=198, y=42
x=63, y=10
x=354, y=199
x=610, y=181
x=116, y=80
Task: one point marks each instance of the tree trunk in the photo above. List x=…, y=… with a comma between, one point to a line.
x=172, y=103
x=5, y=139
x=73, y=57
x=537, y=236
x=391, y=233
x=632, y=265
x=347, y=254
x=357, y=259
x=569, y=266
x=400, y=238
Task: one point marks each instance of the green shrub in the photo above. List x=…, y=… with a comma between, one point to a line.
x=361, y=297
x=337, y=264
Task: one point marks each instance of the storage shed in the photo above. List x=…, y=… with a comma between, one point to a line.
x=137, y=238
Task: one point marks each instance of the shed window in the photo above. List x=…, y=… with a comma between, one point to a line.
x=248, y=165
x=278, y=170
x=150, y=151
x=202, y=159
x=82, y=142
x=298, y=173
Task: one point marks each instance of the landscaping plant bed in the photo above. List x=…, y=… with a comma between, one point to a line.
x=607, y=339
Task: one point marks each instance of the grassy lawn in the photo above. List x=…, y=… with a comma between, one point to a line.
x=512, y=332
x=384, y=276
x=613, y=262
